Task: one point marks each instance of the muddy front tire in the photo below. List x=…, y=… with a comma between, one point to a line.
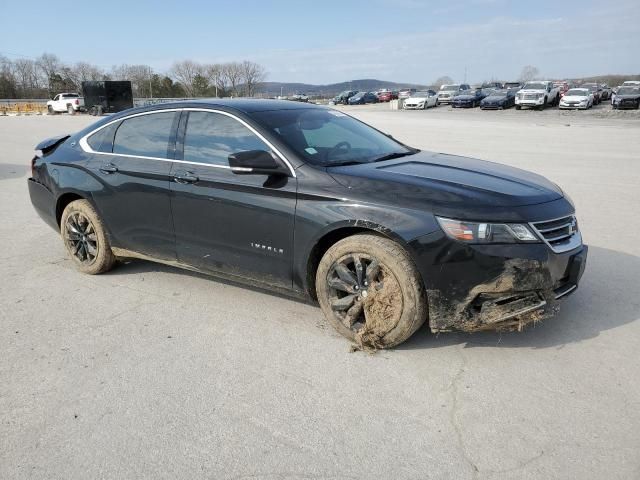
x=85, y=238
x=370, y=291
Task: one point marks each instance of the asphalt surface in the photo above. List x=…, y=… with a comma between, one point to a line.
x=154, y=372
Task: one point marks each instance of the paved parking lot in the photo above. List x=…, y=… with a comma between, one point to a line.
x=153, y=372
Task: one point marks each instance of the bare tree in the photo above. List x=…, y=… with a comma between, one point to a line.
x=213, y=73
x=232, y=74
x=186, y=72
x=26, y=74
x=49, y=65
x=529, y=73
x=252, y=75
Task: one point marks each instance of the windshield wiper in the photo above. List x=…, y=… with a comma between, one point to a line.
x=343, y=164
x=393, y=155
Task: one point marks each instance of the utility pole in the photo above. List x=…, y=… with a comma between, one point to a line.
x=150, y=86
x=465, y=74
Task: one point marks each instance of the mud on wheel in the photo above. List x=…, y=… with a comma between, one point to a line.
x=370, y=291
x=85, y=238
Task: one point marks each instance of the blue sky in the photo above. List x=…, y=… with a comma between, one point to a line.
x=330, y=41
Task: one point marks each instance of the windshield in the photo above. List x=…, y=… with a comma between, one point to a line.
x=629, y=91
x=535, y=86
x=498, y=93
x=576, y=93
x=328, y=137
x=449, y=87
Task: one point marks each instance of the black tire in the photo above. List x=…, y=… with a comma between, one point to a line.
x=85, y=238
x=518, y=107
x=638, y=105
x=379, y=304
x=50, y=110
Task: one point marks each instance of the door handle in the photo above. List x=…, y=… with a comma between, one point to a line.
x=108, y=168
x=185, y=178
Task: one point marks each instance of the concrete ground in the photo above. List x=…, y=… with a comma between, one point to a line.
x=153, y=372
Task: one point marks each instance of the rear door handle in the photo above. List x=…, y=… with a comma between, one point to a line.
x=108, y=168
x=185, y=178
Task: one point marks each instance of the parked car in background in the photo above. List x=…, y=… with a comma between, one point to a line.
x=627, y=97
x=65, y=102
x=468, y=98
x=492, y=85
x=578, y=98
x=421, y=100
x=596, y=90
x=447, y=92
x=361, y=98
x=406, y=93
x=387, y=95
x=607, y=92
x=299, y=97
x=512, y=85
x=343, y=97
x=499, y=100
x=537, y=94
x=631, y=83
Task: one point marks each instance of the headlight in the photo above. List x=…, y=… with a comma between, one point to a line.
x=540, y=95
x=473, y=232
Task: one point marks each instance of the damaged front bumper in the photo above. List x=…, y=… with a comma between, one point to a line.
x=494, y=287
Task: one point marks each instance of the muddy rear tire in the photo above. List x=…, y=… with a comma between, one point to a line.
x=85, y=238
x=370, y=291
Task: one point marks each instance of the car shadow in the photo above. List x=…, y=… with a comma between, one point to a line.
x=607, y=298
x=10, y=170
x=137, y=267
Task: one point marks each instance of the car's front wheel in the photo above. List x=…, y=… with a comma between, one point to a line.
x=85, y=238
x=370, y=291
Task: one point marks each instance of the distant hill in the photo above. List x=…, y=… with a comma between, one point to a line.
x=271, y=89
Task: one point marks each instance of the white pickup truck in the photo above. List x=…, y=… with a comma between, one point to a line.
x=65, y=102
x=538, y=94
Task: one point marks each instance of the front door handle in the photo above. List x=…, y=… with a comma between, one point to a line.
x=185, y=178
x=108, y=168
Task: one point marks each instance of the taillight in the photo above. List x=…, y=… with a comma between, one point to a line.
x=33, y=166
x=77, y=102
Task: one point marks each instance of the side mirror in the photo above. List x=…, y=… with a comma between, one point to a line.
x=258, y=162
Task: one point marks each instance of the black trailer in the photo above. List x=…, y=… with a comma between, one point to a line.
x=107, y=96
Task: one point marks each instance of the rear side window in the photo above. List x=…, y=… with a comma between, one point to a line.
x=102, y=140
x=212, y=137
x=146, y=135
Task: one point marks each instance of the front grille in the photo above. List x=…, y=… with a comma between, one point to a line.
x=561, y=234
x=530, y=96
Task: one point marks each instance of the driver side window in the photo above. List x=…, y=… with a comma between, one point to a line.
x=211, y=137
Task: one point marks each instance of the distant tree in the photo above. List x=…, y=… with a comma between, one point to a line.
x=252, y=74
x=185, y=72
x=442, y=81
x=529, y=73
x=232, y=76
x=49, y=65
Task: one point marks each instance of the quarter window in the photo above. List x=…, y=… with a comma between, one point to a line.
x=211, y=137
x=102, y=140
x=146, y=135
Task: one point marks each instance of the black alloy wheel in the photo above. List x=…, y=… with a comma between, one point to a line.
x=81, y=238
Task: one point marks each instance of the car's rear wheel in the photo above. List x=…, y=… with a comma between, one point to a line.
x=370, y=291
x=50, y=110
x=518, y=107
x=85, y=238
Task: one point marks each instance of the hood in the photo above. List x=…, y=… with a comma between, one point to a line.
x=628, y=95
x=465, y=96
x=493, y=99
x=416, y=99
x=529, y=90
x=444, y=183
x=574, y=98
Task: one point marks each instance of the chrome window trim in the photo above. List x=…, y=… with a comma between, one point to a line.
x=84, y=144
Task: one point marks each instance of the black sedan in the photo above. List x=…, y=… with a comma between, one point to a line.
x=469, y=99
x=627, y=97
x=307, y=200
x=499, y=100
x=361, y=98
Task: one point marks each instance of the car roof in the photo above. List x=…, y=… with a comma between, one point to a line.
x=245, y=105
